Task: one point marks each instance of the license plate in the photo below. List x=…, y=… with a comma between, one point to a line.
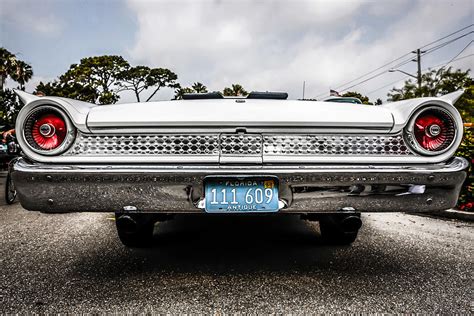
x=241, y=194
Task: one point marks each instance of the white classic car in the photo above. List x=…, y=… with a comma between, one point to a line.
x=324, y=161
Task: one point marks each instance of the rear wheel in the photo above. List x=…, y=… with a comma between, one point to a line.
x=135, y=230
x=340, y=229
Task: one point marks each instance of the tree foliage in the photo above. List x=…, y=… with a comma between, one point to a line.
x=236, y=90
x=439, y=82
x=18, y=71
x=9, y=107
x=99, y=73
x=101, y=79
x=141, y=78
x=70, y=90
x=354, y=94
x=180, y=91
x=199, y=88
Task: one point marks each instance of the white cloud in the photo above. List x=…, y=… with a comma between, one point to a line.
x=30, y=86
x=30, y=17
x=275, y=45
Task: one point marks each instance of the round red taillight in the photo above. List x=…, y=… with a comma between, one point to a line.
x=49, y=131
x=434, y=130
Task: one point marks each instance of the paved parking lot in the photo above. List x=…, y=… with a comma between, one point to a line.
x=74, y=263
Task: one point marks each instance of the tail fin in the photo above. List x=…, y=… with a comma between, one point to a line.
x=453, y=96
x=25, y=96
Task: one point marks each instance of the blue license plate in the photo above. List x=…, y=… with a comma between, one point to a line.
x=241, y=194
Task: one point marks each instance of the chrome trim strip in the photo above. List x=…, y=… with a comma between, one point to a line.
x=454, y=165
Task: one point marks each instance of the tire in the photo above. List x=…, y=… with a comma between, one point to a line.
x=135, y=230
x=335, y=229
x=10, y=191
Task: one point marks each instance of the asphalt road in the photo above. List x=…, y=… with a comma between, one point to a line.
x=75, y=263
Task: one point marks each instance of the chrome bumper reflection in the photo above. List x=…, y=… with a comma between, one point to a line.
x=178, y=189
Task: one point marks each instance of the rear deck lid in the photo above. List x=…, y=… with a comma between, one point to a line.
x=240, y=112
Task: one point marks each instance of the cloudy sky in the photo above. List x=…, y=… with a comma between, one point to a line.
x=263, y=45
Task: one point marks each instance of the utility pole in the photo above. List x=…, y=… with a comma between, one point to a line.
x=418, y=53
x=418, y=60
x=304, y=83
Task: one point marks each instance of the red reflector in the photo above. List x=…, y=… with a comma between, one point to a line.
x=431, y=132
x=49, y=131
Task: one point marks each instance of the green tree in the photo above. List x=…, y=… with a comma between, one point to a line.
x=378, y=102
x=236, y=90
x=354, y=94
x=20, y=72
x=9, y=107
x=180, y=91
x=70, y=90
x=134, y=79
x=199, y=87
x=8, y=63
x=465, y=104
x=439, y=82
x=159, y=78
x=141, y=78
x=99, y=73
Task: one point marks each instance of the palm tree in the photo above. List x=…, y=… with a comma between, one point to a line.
x=179, y=92
x=17, y=70
x=22, y=73
x=199, y=87
x=236, y=91
x=7, y=63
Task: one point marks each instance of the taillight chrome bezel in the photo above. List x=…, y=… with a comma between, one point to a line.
x=28, y=140
x=409, y=131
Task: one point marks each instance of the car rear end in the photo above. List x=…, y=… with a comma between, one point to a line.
x=239, y=156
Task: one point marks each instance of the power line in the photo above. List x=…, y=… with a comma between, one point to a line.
x=449, y=35
x=448, y=42
x=462, y=50
x=368, y=73
x=434, y=49
x=433, y=67
x=444, y=64
x=405, y=61
x=399, y=64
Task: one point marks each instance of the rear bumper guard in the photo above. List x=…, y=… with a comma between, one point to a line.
x=179, y=189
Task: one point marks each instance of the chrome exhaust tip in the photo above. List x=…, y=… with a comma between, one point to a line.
x=351, y=224
x=127, y=224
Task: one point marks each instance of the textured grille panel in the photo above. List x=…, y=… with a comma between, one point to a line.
x=323, y=145
x=241, y=144
x=146, y=145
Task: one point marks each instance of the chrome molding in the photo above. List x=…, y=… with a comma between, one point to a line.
x=239, y=147
x=336, y=145
x=136, y=145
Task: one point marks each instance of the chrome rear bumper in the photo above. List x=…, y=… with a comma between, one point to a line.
x=178, y=189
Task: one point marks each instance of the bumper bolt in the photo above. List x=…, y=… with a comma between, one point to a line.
x=431, y=178
x=429, y=201
x=50, y=201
